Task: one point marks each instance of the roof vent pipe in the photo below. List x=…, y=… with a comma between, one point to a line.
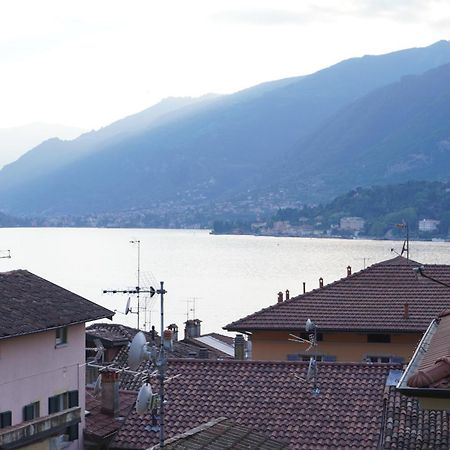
x=321, y=282
x=406, y=311
x=349, y=270
x=304, y=287
x=280, y=297
x=287, y=294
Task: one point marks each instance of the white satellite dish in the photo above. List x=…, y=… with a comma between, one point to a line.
x=144, y=399
x=310, y=326
x=138, y=351
x=127, y=308
x=97, y=385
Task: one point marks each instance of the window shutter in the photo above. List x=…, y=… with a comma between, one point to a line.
x=397, y=360
x=329, y=358
x=27, y=412
x=53, y=404
x=5, y=419
x=72, y=432
x=73, y=399
x=293, y=357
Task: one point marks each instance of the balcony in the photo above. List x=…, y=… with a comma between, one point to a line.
x=39, y=429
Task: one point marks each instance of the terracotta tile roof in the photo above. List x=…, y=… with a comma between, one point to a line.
x=120, y=335
x=269, y=397
x=222, y=434
x=370, y=300
x=432, y=365
x=30, y=304
x=100, y=425
x=407, y=426
x=110, y=333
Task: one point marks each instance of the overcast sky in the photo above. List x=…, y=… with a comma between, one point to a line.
x=88, y=63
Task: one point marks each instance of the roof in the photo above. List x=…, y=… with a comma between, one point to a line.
x=406, y=425
x=223, y=434
x=372, y=300
x=214, y=343
x=430, y=366
x=271, y=398
x=30, y=304
x=113, y=335
x=100, y=425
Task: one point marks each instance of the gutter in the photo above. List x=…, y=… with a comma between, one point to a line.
x=415, y=362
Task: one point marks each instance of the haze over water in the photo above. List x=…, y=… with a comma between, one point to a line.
x=229, y=276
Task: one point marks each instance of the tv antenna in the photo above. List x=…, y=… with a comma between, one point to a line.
x=140, y=351
x=8, y=254
x=137, y=290
x=405, y=246
x=190, y=307
x=311, y=329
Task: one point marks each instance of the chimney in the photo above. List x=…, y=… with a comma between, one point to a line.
x=280, y=297
x=110, y=393
x=349, y=270
x=406, y=311
x=321, y=282
x=304, y=287
x=287, y=294
x=203, y=353
x=192, y=328
x=174, y=329
x=239, y=347
x=168, y=340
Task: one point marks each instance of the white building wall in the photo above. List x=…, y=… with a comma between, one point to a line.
x=33, y=369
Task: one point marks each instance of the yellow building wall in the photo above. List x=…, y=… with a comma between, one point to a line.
x=346, y=347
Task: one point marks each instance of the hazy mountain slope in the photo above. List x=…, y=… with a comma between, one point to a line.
x=16, y=141
x=212, y=151
x=53, y=154
x=397, y=133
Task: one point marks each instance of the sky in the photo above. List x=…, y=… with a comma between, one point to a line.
x=89, y=63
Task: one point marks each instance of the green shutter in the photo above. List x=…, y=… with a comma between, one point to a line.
x=53, y=404
x=5, y=419
x=72, y=432
x=27, y=412
x=73, y=399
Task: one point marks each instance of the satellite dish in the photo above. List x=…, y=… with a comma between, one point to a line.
x=97, y=385
x=310, y=326
x=138, y=351
x=144, y=399
x=127, y=308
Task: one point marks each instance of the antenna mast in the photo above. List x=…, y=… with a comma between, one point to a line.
x=405, y=247
x=138, y=243
x=138, y=290
x=8, y=255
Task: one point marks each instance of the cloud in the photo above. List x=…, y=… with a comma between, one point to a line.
x=402, y=11
x=267, y=17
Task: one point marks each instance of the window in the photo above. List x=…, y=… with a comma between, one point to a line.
x=380, y=338
x=62, y=401
x=384, y=359
x=5, y=419
x=31, y=411
x=61, y=336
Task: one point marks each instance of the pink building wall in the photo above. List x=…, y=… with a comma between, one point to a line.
x=33, y=369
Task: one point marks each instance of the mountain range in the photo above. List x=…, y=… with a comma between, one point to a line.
x=374, y=119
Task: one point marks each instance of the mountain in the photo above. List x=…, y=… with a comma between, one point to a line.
x=16, y=141
x=396, y=133
x=382, y=208
x=211, y=150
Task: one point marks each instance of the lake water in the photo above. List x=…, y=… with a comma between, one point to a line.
x=228, y=276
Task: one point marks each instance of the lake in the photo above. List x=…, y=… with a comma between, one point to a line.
x=218, y=279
